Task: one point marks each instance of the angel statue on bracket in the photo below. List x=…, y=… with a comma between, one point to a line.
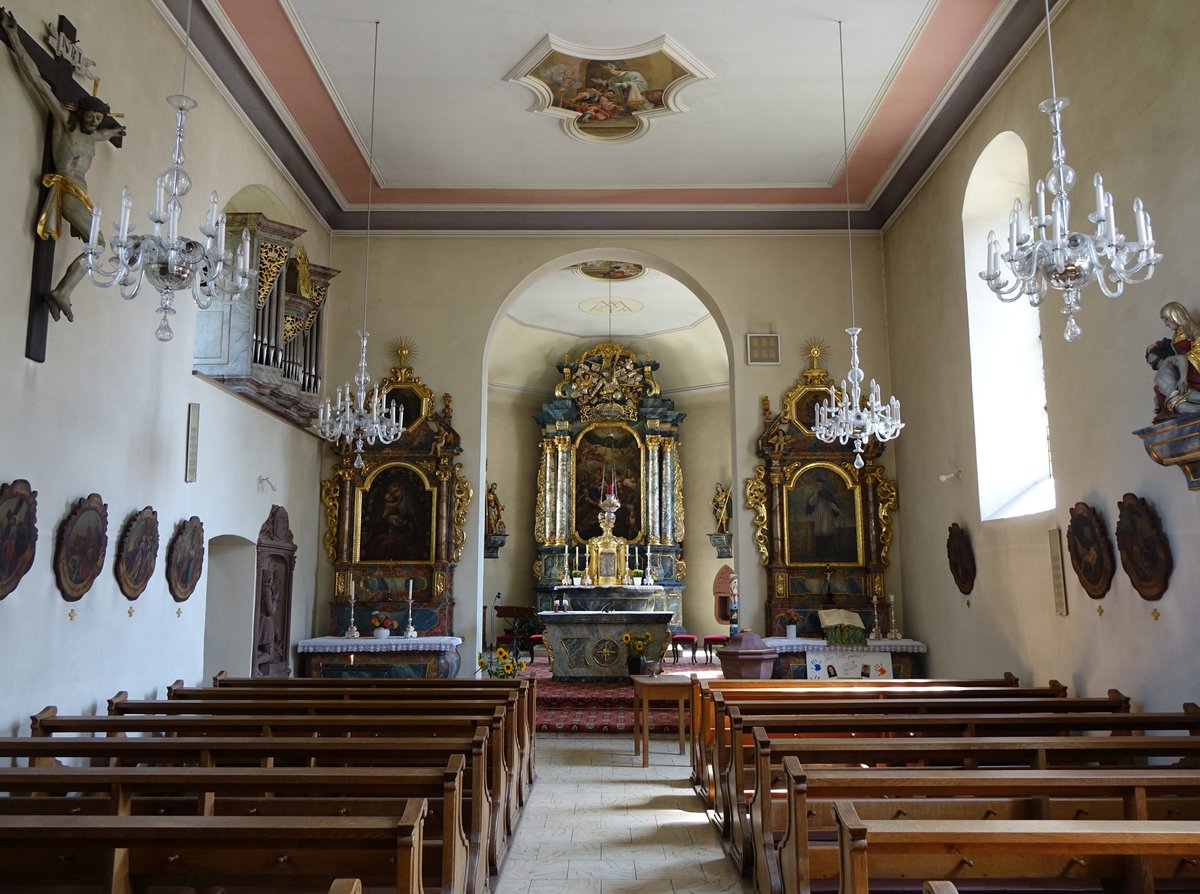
x=1176, y=364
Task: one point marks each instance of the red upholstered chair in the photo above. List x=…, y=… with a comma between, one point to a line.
x=711, y=642
x=512, y=637
x=679, y=640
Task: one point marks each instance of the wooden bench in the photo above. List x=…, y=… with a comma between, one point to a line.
x=707, y=696
x=789, y=860
x=504, y=817
x=745, y=760
x=121, y=853
x=256, y=791
x=1027, y=752
x=1041, y=849
x=718, y=765
x=270, y=752
x=374, y=687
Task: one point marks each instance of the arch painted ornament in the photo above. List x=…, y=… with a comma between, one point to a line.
x=608, y=95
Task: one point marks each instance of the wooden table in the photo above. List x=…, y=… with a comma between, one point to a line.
x=668, y=687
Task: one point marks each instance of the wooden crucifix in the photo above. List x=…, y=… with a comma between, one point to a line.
x=76, y=122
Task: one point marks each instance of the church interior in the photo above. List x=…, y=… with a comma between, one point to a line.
x=500, y=210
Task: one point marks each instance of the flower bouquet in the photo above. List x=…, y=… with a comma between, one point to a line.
x=383, y=624
x=501, y=664
x=789, y=618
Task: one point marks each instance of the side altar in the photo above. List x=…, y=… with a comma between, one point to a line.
x=596, y=645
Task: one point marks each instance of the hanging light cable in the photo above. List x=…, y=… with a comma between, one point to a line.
x=1044, y=252
x=351, y=421
x=846, y=418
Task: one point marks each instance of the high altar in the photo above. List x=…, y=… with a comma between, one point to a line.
x=608, y=437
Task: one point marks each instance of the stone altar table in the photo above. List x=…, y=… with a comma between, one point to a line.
x=586, y=645
x=391, y=656
x=612, y=598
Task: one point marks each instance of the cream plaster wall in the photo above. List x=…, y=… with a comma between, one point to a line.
x=1133, y=75
x=106, y=412
x=447, y=294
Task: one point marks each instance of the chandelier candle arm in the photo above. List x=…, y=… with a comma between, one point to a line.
x=1064, y=259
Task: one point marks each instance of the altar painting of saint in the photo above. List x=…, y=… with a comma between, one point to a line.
x=604, y=454
x=395, y=522
x=823, y=523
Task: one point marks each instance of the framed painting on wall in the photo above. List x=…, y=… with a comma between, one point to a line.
x=137, y=553
x=82, y=545
x=18, y=533
x=185, y=558
x=823, y=521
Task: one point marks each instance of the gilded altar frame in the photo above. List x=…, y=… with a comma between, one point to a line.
x=400, y=518
x=819, y=550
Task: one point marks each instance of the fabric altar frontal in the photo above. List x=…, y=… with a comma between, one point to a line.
x=392, y=656
x=597, y=645
x=814, y=659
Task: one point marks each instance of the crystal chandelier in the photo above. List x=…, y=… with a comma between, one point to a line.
x=172, y=262
x=848, y=417
x=351, y=420
x=1044, y=251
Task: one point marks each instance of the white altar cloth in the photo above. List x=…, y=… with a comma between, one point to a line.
x=782, y=644
x=368, y=643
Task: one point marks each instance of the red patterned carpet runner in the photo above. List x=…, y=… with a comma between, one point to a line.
x=601, y=707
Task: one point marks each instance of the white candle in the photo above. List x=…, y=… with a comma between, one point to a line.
x=1098, y=183
x=410, y=590
x=891, y=599
x=352, y=586
x=1041, y=200
x=94, y=232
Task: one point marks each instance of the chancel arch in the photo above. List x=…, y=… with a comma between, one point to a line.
x=554, y=316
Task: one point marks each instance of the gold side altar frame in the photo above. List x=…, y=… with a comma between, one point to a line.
x=424, y=456
x=847, y=569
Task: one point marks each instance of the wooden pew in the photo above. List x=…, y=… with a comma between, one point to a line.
x=833, y=698
x=323, y=791
x=120, y=853
x=790, y=861
x=744, y=760
x=375, y=687
x=48, y=722
x=1027, y=752
x=122, y=705
x=717, y=764
x=1043, y=849
x=484, y=856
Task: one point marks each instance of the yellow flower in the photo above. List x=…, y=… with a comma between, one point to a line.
x=508, y=667
x=639, y=646
x=524, y=664
x=626, y=637
x=501, y=653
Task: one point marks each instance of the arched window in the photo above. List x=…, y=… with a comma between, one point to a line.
x=1008, y=380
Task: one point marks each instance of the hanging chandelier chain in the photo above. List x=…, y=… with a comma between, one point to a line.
x=362, y=415
x=847, y=416
x=846, y=167
x=1050, y=48
x=187, y=43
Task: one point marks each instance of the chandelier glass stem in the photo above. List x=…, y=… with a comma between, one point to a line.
x=846, y=417
x=359, y=418
x=1045, y=253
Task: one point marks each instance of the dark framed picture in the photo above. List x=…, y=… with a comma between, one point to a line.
x=185, y=558
x=1145, y=552
x=82, y=545
x=1090, y=550
x=137, y=553
x=18, y=533
x=394, y=516
x=823, y=524
x=961, y=556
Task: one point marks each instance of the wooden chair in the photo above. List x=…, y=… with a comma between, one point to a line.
x=510, y=637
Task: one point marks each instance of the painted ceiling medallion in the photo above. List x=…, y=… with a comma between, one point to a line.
x=607, y=95
x=610, y=269
x=615, y=307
